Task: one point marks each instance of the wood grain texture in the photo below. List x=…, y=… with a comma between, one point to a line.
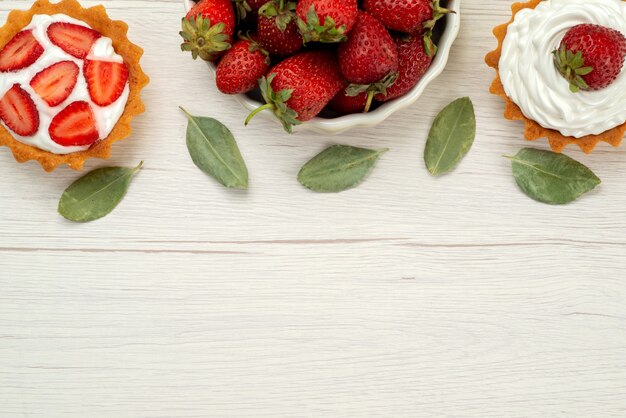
x=408, y=296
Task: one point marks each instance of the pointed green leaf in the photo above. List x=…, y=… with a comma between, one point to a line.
x=338, y=168
x=551, y=178
x=214, y=150
x=96, y=194
x=451, y=136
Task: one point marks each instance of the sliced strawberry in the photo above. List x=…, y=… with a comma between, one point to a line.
x=20, y=52
x=105, y=80
x=74, y=39
x=74, y=125
x=55, y=83
x=18, y=112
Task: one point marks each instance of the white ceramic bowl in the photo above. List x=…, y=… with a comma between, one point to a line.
x=342, y=123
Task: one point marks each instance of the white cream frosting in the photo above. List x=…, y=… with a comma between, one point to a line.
x=532, y=81
x=106, y=117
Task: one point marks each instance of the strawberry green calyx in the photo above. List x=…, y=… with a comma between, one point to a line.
x=242, y=8
x=313, y=31
x=277, y=102
x=438, y=13
x=255, y=46
x=283, y=11
x=572, y=67
x=372, y=89
x=202, y=39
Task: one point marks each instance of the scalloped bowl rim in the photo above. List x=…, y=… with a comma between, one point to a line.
x=378, y=115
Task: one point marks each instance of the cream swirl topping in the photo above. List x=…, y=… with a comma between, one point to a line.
x=106, y=117
x=531, y=80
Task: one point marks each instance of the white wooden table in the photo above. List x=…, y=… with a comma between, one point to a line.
x=408, y=296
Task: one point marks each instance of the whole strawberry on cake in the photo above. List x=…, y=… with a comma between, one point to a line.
x=312, y=57
x=560, y=69
x=69, y=83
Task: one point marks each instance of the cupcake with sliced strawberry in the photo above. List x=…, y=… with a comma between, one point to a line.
x=70, y=83
x=560, y=70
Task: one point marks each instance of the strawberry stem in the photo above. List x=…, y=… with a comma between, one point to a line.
x=187, y=114
x=138, y=167
x=368, y=103
x=257, y=111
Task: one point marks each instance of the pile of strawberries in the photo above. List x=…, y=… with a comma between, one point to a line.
x=309, y=54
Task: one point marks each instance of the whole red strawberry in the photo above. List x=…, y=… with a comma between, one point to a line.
x=241, y=67
x=208, y=29
x=590, y=56
x=413, y=64
x=277, y=29
x=401, y=15
x=410, y=16
x=368, y=59
x=298, y=88
x=344, y=104
x=326, y=20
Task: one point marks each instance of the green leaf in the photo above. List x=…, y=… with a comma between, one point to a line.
x=338, y=168
x=551, y=178
x=214, y=150
x=96, y=194
x=450, y=137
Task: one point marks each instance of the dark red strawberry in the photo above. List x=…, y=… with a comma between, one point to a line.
x=74, y=126
x=245, y=8
x=106, y=80
x=18, y=111
x=368, y=59
x=369, y=54
x=277, y=29
x=21, y=51
x=298, y=88
x=55, y=83
x=345, y=104
x=413, y=63
x=208, y=29
x=326, y=20
x=241, y=67
x=590, y=56
x=76, y=40
x=255, y=5
x=410, y=16
x=404, y=15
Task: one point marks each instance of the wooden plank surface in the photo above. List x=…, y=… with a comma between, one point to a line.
x=408, y=296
